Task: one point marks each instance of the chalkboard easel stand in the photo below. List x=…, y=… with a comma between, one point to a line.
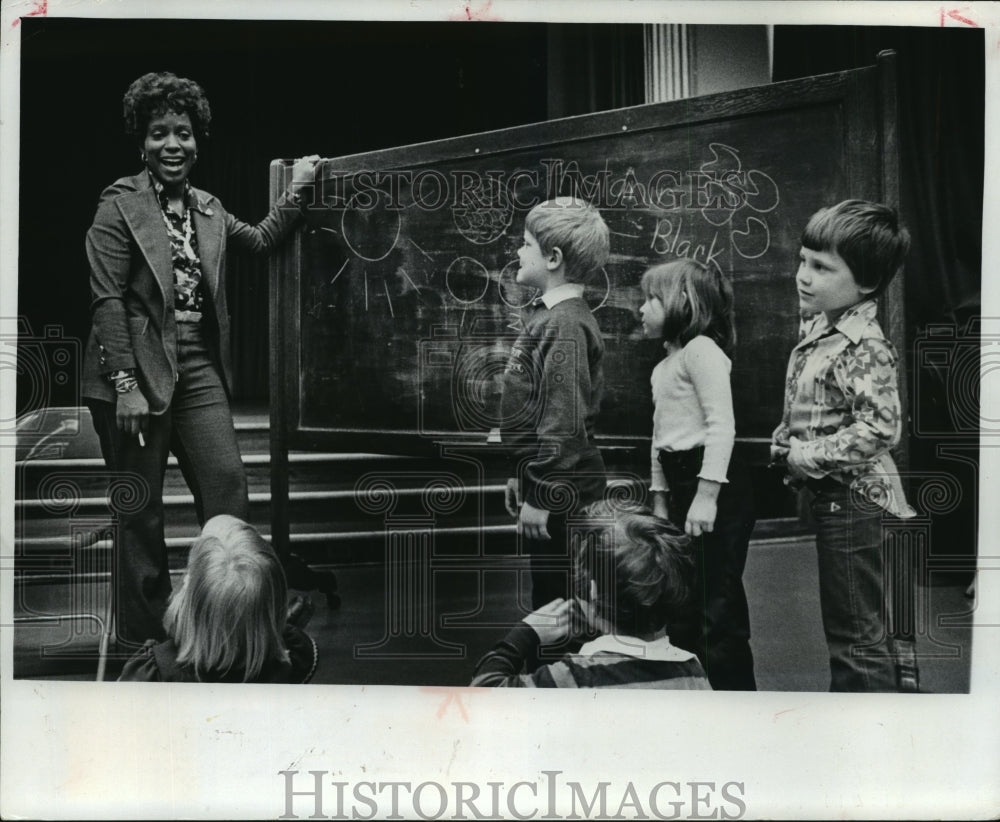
x=299, y=575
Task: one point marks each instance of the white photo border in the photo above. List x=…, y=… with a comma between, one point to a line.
x=76, y=750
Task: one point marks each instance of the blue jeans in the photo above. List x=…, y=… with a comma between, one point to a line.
x=198, y=428
x=851, y=589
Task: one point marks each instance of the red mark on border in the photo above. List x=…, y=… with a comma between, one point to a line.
x=41, y=9
x=483, y=13
x=954, y=15
x=452, y=695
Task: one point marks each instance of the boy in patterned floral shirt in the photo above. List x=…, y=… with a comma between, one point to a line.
x=841, y=417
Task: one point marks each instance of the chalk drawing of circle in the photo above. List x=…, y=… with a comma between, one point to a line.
x=719, y=215
x=761, y=192
x=597, y=288
x=467, y=280
x=482, y=225
x=371, y=233
x=512, y=293
x=754, y=242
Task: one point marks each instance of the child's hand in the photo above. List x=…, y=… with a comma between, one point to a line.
x=700, y=517
x=701, y=514
x=533, y=522
x=512, y=497
x=552, y=622
x=796, y=467
x=660, y=508
x=779, y=455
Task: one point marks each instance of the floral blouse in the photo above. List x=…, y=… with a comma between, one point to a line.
x=189, y=294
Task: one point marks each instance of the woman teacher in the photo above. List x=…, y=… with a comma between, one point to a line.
x=157, y=371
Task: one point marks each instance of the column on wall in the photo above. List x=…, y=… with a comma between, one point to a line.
x=692, y=60
x=668, y=55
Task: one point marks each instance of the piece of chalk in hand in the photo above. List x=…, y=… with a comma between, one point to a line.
x=142, y=442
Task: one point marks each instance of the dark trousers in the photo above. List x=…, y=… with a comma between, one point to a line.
x=551, y=568
x=198, y=429
x=851, y=589
x=719, y=629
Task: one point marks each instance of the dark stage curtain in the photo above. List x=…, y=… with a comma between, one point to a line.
x=594, y=68
x=278, y=89
x=475, y=80
x=941, y=129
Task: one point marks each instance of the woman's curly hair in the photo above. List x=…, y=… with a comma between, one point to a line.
x=159, y=92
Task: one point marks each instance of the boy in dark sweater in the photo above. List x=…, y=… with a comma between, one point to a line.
x=552, y=388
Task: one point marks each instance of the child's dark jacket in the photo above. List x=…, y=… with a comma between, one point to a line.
x=157, y=662
x=552, y=391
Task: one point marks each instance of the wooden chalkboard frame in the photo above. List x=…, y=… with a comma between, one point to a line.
x=868, y=98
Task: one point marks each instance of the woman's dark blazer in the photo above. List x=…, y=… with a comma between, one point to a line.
x=132, y=284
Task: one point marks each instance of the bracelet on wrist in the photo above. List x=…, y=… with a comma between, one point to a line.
x=123, y=380
x=126, y=385
x=114, y=376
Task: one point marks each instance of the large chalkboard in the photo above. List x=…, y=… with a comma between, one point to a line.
x=393, y=310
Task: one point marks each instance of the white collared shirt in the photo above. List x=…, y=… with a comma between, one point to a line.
x=657, y=649
x=566, y=291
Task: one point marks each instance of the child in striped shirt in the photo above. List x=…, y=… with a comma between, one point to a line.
x=632, y=576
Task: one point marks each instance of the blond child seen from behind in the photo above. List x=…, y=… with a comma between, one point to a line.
x=228, y=620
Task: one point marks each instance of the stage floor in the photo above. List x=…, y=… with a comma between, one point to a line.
x=468, y=612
